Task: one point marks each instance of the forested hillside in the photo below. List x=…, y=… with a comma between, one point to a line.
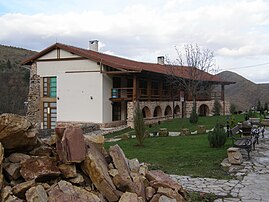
x=244, y=93
x=14, y=80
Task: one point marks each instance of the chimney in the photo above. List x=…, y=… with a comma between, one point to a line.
x=93, y=45
x=160, y=60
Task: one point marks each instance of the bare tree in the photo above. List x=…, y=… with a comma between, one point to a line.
x=191, y=69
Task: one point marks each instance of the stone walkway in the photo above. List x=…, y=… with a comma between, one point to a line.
x=252, y=176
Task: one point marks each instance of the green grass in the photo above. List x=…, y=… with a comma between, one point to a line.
x=118, y=133
x=182, y=155
x=177, y=124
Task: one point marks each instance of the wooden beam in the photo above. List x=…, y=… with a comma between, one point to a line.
x=149, y=89
x=134, y=88
x=119, y=72
x=160, y=86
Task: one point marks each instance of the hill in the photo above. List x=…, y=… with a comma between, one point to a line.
x=244, y=93
x=14, y=80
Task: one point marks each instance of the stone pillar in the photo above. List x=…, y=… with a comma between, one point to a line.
x=130, y=114
x=223, y=98
x=33, y=113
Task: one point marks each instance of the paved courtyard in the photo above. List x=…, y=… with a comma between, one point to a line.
x=252, y=178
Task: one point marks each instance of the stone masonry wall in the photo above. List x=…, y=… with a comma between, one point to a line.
x=210, y=105
x=152, y=106
x=33, y=108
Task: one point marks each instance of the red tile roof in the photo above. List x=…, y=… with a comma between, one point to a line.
x=126, y=64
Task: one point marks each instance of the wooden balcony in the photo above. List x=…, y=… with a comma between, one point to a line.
x=119, y=94
x=143, y=94
x=207, y=96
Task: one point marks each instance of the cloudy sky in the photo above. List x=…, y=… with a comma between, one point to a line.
x=236, y=30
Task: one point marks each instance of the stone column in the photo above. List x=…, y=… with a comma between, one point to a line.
x=130, y=114
x=223, y=98
x=34, y=110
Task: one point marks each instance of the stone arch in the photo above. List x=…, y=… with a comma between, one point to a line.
x=203, y=110
x=177, y=110
x=146, y=112
x=157, y=112
x=168, y=111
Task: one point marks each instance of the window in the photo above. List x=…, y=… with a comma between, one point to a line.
x=49, y=115
x=116, y=111
x=49, y=87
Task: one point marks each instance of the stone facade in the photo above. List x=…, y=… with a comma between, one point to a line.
x=33, y=108
x=165, y=111
x=178, y=107
x=209, y=105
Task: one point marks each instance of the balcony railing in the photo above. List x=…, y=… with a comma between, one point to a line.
x=143, y=94
x=155, y=94
x=207, y=96
x=122, y=93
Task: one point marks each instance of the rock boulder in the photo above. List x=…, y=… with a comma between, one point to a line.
x=39, y=168
x=16, y=132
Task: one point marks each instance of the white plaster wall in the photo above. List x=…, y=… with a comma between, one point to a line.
x=80, y=97
x=107, y=106
x=75, y=89
x=52, y=68
x=63, y=54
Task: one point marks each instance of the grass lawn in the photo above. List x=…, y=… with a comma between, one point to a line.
x=182, y=155
x=177, y=124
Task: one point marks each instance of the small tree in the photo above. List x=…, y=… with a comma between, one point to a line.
x=265, y=106
x=232, y=108
x=259, y=106
x=216, y=108
x=139, y=126
x=194, y=115
x=217, y=137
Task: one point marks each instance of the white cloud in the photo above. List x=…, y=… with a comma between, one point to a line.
x=234, y=30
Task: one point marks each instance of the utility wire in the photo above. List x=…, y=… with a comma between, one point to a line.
x=248, y=66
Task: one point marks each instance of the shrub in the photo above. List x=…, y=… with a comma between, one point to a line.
x=265, y=106
x=232, y=108
x=252, y=113
x=217, y=137
x=194, y=116
x=216, y=107
x=139, y=126
x=232, y=121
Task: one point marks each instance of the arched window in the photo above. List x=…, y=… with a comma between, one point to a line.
x=203, y=110
x=146, y=112
x=157, y=112
x=168, y=111
x=177, y=110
